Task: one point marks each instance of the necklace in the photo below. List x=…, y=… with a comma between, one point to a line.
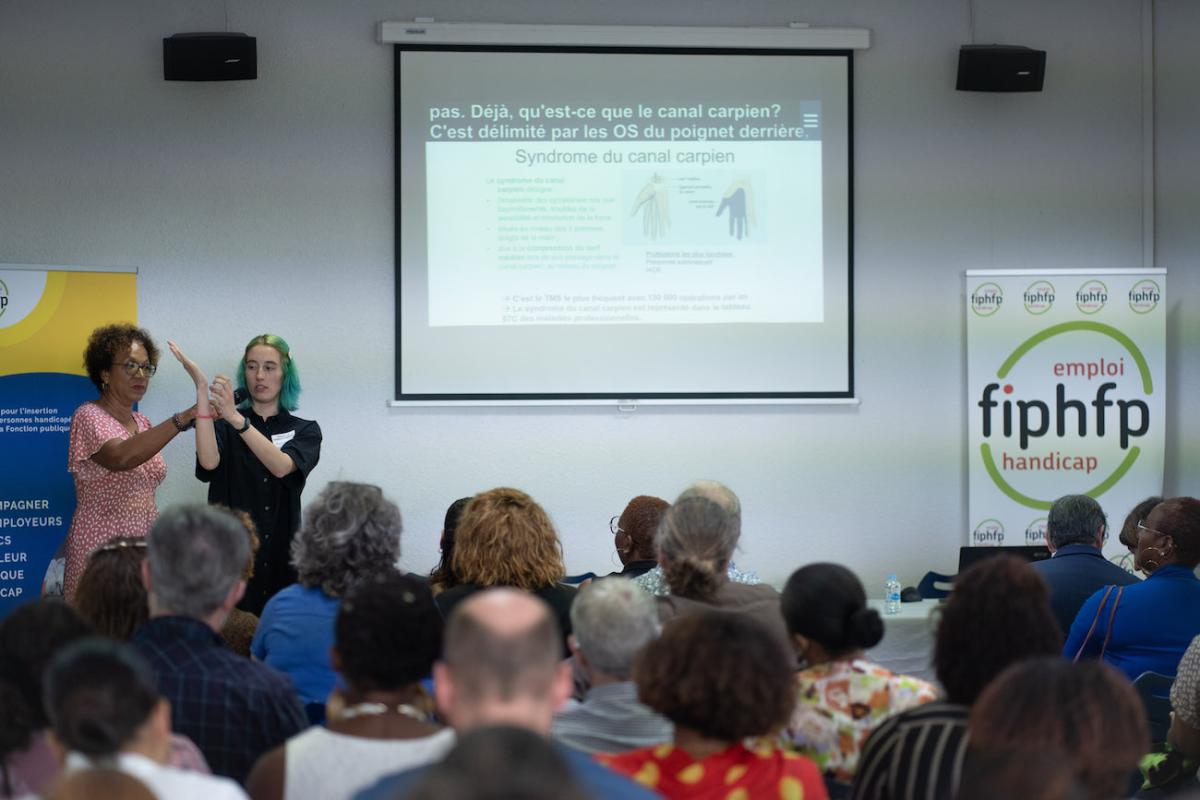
x=375, y=709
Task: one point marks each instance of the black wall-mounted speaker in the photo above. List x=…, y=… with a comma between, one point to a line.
x=1000, y=68
x=210, y=57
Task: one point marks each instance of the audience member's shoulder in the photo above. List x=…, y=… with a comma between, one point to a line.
x=600, y=781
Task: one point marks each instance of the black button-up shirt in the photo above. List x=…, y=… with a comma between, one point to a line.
x=241, y=482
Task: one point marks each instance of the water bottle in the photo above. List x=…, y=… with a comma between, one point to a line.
x=891, y=595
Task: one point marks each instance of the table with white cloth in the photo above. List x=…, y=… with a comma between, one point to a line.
x=907, y=646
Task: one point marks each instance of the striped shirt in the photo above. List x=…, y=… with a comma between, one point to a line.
x=916, y=755
x=610, y=720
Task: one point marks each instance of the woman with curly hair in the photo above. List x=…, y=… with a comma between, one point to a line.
x=722, y=678
x=350, y=532
x=255, y=455
x=115, y=453
x=506, y=539
x=111, y=596
x=998, y=614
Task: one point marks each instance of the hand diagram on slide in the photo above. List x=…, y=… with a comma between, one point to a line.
x=652, y=200
x=740, y=199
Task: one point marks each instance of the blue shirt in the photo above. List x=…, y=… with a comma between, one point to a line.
x=233, y=708
x=294, y=635
x=1155, y=622
x=597, y=780
x=1074, y=574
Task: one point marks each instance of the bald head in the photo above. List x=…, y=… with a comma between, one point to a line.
x=502, y=643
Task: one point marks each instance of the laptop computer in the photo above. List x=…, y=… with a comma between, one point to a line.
x=968, y=556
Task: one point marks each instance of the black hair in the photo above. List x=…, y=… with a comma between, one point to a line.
x=29, y=638
x=443, y=575
x=826, y=603
x=98, y=694
x=388, y=632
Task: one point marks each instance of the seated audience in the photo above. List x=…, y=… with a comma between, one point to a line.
x=612, y=620
x=501, y=762
x=29, y=637
x=1146, y=627
x=239, y=627
x=501, y=666
x=1128, y=535
x=388, y=633
x=721, y=678
x=655, y=580
x=233, y=708
x=442, y=577
x=1085, y=712
x=841, y=697
x=998, y=614
x=350, y=531
x=1075, y=532
x=99, y=782
x=110, y=596
x=1172, y=770
x=633, y=535
x=696, y=539
x=104, y=711
x=505, y=539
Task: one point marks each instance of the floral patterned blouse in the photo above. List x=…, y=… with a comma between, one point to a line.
x=840, y=703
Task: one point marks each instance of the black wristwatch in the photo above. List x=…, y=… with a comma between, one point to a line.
x=245, y=427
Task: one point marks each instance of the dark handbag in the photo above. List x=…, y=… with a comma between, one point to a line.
x=1096, y=620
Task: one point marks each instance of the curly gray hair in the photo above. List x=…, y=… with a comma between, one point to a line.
x=351, y=530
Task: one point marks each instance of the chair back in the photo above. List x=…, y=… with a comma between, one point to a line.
x=929, y=589
x=1155, y=691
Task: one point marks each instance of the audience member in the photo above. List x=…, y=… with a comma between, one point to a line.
x=99, y=782
x=1171, y=770
x=998, y=614
x=104, y=711
x=388, y=634
x=1128, y=535
x=350, y=531
x=1025, y=773
x=110, y=596
x=841, y=697
x=696, y=539
x=1075, y=532
x=1086, y=712
x=613, y=620
x=442, y=577
x=505, y=539
x=1146, y=627
x=233, y=708
x=721, y=678
x=655, y=580
x=29, y=638
x=501, y=762
x=239, y=627
x=633, y=534
x=501, y=666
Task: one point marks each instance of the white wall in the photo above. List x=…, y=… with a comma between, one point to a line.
x=268, y=206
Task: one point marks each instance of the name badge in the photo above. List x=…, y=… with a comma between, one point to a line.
x=280, y=439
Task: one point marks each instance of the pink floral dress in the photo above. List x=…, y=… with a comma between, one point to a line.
x=108, y=504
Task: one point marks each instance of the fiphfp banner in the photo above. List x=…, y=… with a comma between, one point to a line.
x=46, y=316
x=1065, y=374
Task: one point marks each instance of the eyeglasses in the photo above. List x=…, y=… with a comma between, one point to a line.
x=614, y=525
x=121, y=544
x=1141, y=527
x=132, y=368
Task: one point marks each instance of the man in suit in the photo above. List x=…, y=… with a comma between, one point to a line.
x=1075, y=532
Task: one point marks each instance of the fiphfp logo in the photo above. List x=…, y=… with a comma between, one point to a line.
x=1087, y=422
x=1144, y=296
x=1035, y=532
x=3, y=298
x=1039, y=297
x=988, y=532
x=987, y=299
x=1091, y=296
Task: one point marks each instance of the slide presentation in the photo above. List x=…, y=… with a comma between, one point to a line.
x=622, y=224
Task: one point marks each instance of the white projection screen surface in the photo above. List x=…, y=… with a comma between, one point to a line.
x=599, y=223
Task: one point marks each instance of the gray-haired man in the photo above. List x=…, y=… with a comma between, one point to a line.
x=612, y=620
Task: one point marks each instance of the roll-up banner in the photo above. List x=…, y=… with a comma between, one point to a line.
x=1065, y=373
x=46, y=316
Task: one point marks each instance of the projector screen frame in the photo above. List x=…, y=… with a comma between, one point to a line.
x=545, y=39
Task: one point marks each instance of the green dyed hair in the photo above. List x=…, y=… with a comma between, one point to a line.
x=289, y=394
